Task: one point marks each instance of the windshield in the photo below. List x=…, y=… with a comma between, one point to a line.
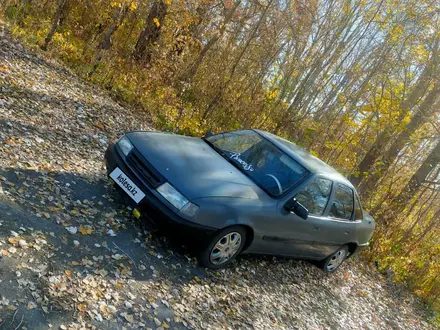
x=265, y=164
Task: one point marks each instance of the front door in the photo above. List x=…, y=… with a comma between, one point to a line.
x=287, y=233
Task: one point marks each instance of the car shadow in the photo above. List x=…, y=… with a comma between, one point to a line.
x=44, y=204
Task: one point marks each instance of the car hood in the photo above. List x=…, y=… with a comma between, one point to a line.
x=193, y=167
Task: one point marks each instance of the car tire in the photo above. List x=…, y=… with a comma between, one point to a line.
x=335, y=260
x=223, y=247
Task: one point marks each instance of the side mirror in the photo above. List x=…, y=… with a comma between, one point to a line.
x=296, y=207
x=208, y=134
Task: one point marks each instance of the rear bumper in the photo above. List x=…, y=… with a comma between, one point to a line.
x=359, y=249
x=152, y=208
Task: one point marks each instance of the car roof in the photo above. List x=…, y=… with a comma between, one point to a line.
x=305, y=158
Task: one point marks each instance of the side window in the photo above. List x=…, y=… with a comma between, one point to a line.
x=315, y=196
x=357, y=209
x=342, y=205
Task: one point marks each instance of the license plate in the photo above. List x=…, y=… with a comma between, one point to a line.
x=123, y=181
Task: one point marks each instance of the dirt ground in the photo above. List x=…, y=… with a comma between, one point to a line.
x=73, y=256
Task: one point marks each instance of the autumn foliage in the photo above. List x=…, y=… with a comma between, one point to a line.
x=355, y=82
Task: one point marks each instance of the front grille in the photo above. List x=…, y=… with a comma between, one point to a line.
x=144, y=169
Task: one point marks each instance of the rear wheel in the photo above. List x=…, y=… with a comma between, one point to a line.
x=223, y=247
x=333, y=261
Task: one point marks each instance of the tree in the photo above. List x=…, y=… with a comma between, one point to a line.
x=417, y=93
x=416, y=181
x=119, y=14
x=58, y=18
x=422, y=115
x=150, y=33
x=228, y=80
x=188, y=75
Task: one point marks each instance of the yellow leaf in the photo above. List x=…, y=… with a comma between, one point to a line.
x=156, y=21
x=82, y=307
x=4, y=252
x=68, y=272
x=85, y=231
x=14, y=240
x=75, y=263
x=136, y=213
x=165, y=325
x=133, y=6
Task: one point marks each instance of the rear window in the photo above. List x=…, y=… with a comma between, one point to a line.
x=342, y=205
x=358, y=215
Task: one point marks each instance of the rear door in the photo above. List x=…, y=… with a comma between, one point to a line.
x=338, y=226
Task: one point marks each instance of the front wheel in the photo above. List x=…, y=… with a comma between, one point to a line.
x=333, y=261
x=223, y=248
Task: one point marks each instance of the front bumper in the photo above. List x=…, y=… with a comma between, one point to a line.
x=152, y=208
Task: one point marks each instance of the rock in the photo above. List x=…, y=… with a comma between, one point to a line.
x=72, y=229
x=76, y=243
x=22, y=243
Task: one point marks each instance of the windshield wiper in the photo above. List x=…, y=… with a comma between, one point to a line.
x=220, y=151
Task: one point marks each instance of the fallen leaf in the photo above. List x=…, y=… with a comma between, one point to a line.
x=85, y=231
x=129, y=318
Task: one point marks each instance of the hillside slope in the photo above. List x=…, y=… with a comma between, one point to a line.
x=54, y=129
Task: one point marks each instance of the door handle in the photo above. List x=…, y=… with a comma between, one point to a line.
x=347, y=232
x=316, y=227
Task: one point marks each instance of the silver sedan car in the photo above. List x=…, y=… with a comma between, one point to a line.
x=238, y=192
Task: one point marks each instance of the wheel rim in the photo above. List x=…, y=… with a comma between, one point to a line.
x=225, y=248
x=336, y=260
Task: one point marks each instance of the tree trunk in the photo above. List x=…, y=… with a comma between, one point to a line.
x=187, y=76
x=417, y=179
x=118, y=17
x=58, y=19
x=224, y=85
x=384, y=137
x=151, y=32
x=422, y=115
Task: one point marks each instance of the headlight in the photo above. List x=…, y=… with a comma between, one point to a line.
x=125, y=145
x=177, y=199
x=190, y=209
